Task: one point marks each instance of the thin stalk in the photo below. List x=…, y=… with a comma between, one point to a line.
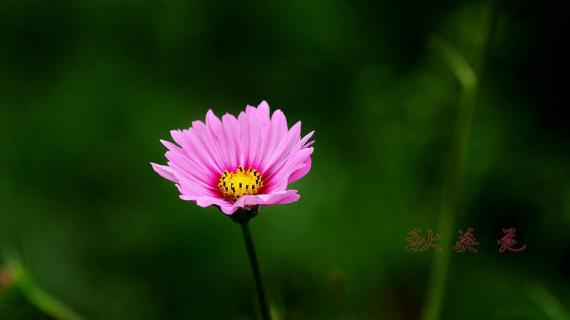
x=49, y=305
x=263, y=308
x=469, y=77
x=41, y=299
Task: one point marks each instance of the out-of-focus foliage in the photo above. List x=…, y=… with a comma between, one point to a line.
x=87, y=89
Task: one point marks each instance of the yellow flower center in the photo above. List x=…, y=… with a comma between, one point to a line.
x=240, y=182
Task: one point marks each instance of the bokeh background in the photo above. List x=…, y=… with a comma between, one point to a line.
x=87, y=89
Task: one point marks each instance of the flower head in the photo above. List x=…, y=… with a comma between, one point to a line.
x=238, y=163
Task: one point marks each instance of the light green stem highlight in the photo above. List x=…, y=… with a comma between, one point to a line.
x=39, y=298
x=469, y=78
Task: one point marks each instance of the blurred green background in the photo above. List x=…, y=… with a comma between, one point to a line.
x=87, y=89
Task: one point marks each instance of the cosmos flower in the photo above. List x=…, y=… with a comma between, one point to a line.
x=238, y=163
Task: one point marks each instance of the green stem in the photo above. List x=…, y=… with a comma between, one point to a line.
x=51, y=306
x=469, y=78
x=41, y=299
x=263, y=309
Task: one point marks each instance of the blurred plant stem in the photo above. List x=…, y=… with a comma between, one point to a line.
x=469, y=78
x=547, y=302
x=263, y=308
x=38, y=297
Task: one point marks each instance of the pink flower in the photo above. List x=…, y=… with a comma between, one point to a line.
x=238, y=163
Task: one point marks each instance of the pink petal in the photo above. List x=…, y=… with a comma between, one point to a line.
x=282, y=197
x=193, y=148
x=301, y=171
x=179, y=161
x=300, y=145
x=283, y=148
x=190, y=187
x=254, y=124
x=164, y=171
x=216, y=136
x=279, y=179
x=261, y=134
x=230, y=141
x=200, y=136
x=207, y=201
x=244, y=139
x=214, y=123
x=263, y=112
x=275, y=133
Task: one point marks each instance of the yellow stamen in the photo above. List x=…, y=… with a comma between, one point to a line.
x=240, y=182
